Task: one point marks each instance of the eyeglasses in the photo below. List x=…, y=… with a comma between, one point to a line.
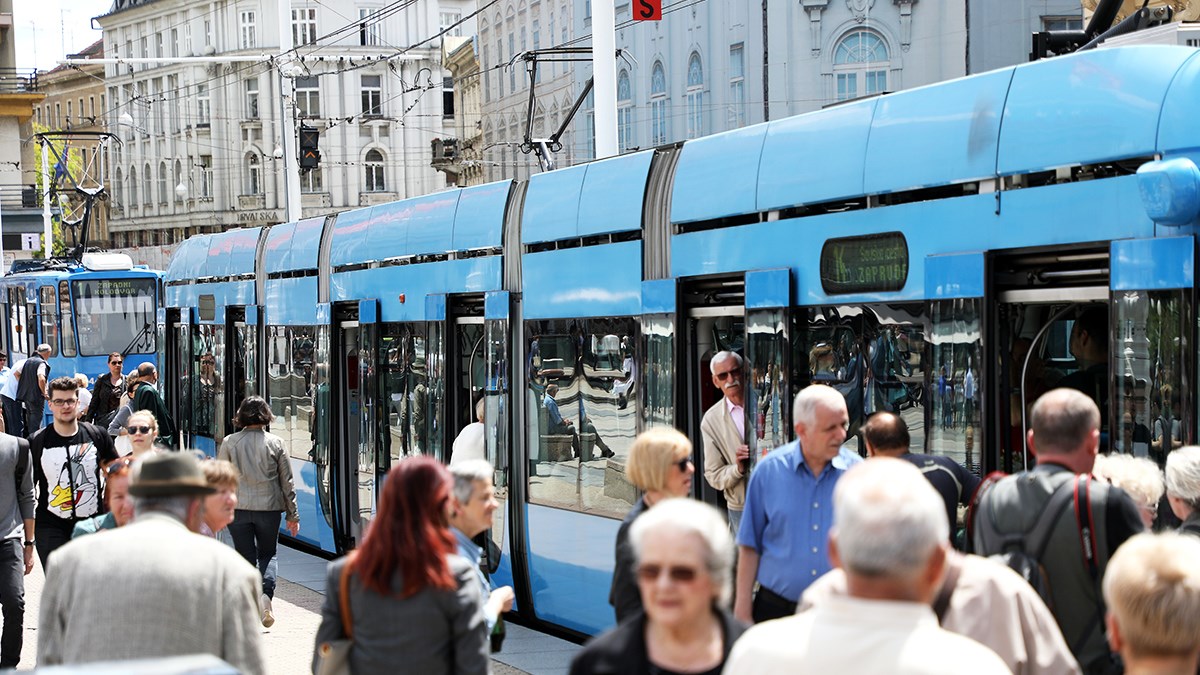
x=683, y=464
x=64, y=402
x=115, y=363
x=726, y=375
x=139, y=430
x=118, y=465
x=682, y=574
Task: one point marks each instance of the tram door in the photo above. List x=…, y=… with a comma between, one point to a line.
x=242, y=357
x=496, y=384
x=174, y=354
x=354, y=449
x=457, y=362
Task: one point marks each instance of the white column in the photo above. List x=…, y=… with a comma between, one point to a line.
x=604, y=74
x=47, y=233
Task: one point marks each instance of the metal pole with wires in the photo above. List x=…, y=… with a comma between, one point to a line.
x=287, y=118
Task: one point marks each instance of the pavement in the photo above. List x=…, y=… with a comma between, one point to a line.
x=299, y=594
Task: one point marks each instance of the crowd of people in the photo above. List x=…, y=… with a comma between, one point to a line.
x=823, y=562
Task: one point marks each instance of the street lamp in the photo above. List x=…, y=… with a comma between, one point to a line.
x=181, y=191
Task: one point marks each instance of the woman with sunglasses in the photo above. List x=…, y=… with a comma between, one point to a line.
x=406, y=574
x=142, y=429
x=107, y=392
x=116, y=498
x=684, y=558
x=660, y=465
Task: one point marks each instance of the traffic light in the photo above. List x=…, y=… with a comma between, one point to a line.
x=310, y=156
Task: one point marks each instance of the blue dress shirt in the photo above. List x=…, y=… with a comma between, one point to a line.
x=788, y=514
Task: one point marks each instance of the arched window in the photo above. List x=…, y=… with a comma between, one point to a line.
x=695, y=97
x=254, y=184
x=177, y=180
x=658, y=105
x=624, y=112
x=860, y=65
x=147, y=185
x=162, y=183
x=133, y=186
x=118, y=189
x=374, y=172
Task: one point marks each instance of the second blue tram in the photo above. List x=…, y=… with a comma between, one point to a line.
x=925, y=252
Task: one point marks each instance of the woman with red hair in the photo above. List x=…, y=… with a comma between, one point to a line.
x=411, y=600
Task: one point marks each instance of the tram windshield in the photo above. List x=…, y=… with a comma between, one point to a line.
x=113, y=314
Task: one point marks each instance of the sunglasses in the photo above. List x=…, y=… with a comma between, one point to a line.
x=721, y=377
x=115, y=363
x=683, y=464
x=138, y=430
x=118, y=465
x=682, y=574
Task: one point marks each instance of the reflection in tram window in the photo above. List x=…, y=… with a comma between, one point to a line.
x=405, y=389
x=208, y=402
x=289, y=376
x=874, y=355
x=658, y=345
x=767, y=401
x=957, y=353
x=579, y=429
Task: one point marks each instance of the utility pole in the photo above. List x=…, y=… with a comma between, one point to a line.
x=47, y=233
x=604, y=75
x=287, y=117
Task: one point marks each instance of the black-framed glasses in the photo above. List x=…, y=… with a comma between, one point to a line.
x=139, y=429
x=683, y=464
x=64, y=402
x=118, y=465
x=683, y=574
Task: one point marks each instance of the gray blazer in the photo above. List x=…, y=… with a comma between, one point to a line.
x=265, y=482
x=433, y=632
x=135, y=592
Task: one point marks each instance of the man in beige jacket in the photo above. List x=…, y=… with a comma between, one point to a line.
x=726, y=455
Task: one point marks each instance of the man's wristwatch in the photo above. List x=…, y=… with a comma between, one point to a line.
x=29, y=543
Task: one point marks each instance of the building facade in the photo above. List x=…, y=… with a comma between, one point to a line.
x=203, y=137
x=507, y=30
x=19, y=94
x=460, y=157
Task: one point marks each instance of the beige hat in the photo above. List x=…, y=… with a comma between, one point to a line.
x=169, y=474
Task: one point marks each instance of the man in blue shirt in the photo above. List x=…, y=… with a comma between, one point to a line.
x=474, y=504
x=783, y=539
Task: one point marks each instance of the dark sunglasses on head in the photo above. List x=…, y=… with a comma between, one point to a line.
x=117, y=465
x=139, y=430
x=679, y=573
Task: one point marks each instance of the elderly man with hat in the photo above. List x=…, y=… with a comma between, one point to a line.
x=168, y=567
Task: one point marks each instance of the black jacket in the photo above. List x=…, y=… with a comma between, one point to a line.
x=624, y=595
x=622, y=650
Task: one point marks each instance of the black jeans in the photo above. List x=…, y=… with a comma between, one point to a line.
x=51, y=536
x=256, y=537
x=14, y=417
x=12, y=601
x=769, y=605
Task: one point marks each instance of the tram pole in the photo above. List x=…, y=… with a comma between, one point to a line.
x=287, y=119
x=604, y=74
x=47, y=233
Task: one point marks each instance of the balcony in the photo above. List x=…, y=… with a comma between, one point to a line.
x=373, y=198
x=18, y=81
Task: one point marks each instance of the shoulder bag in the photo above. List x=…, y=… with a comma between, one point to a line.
x=334, y=656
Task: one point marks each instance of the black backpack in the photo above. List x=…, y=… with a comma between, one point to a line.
x=1023, y=551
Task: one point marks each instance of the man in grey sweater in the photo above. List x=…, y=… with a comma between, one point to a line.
x=16, y=548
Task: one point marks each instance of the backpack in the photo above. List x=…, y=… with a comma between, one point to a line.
x=1023, y=552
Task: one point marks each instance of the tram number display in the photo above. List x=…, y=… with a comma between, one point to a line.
x=871, y=263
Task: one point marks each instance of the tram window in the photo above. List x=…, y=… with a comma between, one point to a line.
x=658, y=346
x=207, y=389
x=67, y=319
x=956, y=382
x=580, y=430
x=16, y=321
x=405, y=389
x=289, y=374
x=115, y=314
x=1154, y=404
x=49, y=310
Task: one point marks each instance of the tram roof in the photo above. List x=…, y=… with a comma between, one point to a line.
x=1091, y=107
x=215, y=256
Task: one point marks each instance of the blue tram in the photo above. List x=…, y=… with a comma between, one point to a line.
x=927, y=252
x=85, y=310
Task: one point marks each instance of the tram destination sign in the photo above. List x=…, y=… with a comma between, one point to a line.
x=868, y=264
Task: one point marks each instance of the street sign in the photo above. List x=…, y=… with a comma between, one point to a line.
x=648, y=10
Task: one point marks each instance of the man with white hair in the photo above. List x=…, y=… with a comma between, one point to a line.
x=726, y=455
x=474, y=504
x=890, y=537
x=782, y=542
x=1183, y=487
x=1152, y=588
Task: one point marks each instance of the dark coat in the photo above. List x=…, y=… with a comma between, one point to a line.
x=622, y=650
x=624, y=595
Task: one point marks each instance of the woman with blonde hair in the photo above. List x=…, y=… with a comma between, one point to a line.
x=220, y=506
x=660, y=465
x=1138, y=476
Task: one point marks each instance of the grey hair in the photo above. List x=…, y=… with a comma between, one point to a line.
x=1138, y=476
x=804, y=408
x=723, y=356
x=1183, y=475
x=466, y=473
x=480, y=408
x=887, y=519
x=175, y=505
x=688, y=516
